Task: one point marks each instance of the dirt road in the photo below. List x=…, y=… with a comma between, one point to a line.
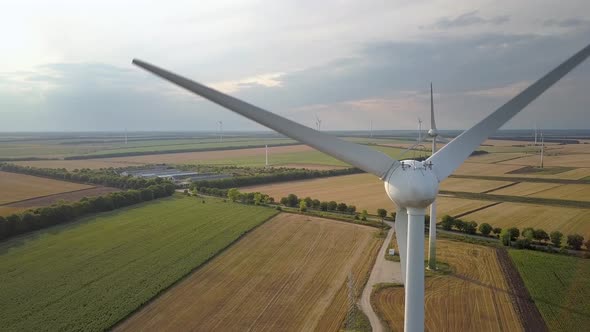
x=383, y=271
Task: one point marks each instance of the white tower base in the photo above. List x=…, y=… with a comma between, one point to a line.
x=414, y=286
x=401, y=235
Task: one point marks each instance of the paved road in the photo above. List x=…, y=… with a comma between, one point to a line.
x=383, y=271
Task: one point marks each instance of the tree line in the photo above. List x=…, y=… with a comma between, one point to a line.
x=285, y=174
x=64, y=212
x=105, y=177
x=509, y=236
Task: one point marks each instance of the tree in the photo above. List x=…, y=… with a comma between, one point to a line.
x=351, y=209
x=382, y=213
x=497, y=230
x=528, y=234
x=514, y=233
x=292, y=200
x=485, y=229
x=505, y=237
x=302, y=206
x=459, y=224
x=556, y=237
x=342, y=207
x=575, y=241
x=364, y=215
x=233, y=194
x=316, y=204
x=540, y=235
x=332, y=205
x=587, y=243
x=393, y=214
x=447, y=222
x=308, y=202
x=470, y=227
x=324, y=206
x=257, y=198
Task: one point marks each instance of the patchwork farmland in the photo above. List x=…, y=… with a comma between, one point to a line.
x=289, y=275
x=93, y=273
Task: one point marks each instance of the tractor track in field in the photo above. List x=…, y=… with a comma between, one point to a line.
x=529, y=315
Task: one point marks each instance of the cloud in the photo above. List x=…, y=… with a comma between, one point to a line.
x=467, y=19
x=573, y=22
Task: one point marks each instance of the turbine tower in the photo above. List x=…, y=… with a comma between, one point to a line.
x=542, y=148
x=220, y=130
x=412, y=185
x=266, y=155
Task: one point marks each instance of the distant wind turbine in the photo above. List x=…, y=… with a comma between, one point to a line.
x=220, y=130
x=412, y=185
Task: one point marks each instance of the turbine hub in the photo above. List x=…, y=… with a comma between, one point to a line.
x=412, y=185
x=432, y=133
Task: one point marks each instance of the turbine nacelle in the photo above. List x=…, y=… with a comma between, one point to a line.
x=432, y=133
x=412, y=184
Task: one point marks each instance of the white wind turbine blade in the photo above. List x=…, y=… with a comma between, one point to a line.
x=360, y=156
x=452, y=155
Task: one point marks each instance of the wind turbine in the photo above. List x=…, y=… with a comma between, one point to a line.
x=220, y=130
x=318, y=123
x=412, y=185
x=542, y=148
x=536, y=134
x=433, y=133
x=419, y=129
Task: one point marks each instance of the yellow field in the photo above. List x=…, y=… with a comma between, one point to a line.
x=495, y=157
x=468, y=185
x=287, y=275
x=574, y=192
x=16, y=187
x=474, y=297
x=549, y=218
x=525, y=188
x=470, y=168
x=365, y=191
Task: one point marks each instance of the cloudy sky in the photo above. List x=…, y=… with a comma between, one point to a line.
x=66, y=65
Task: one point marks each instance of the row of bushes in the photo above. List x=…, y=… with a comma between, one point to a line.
x=285, y=174
x=63, y=212
x=105, y=177
x=524, y=239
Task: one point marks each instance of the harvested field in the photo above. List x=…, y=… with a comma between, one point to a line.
x=90, y=274
x=72, y=196
x=474, y=297
x=550, y=218
x=287, y=275
x=16, y=187
x=75, y=164
x=574, y=192
x=559, y=286
x=476, y=169
x=491, y=158
x=468, y=185
x=457, y=206
x=565, y=160
x=525, y=188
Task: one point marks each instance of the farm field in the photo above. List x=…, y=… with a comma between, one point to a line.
x=550, y=218
x=365, y=191
x=51, y=199
x=574, y=192
x=90, y=274
x=559, y=286
x=474, y=186
x=16, y=187
x=525, y=188
x=289, y=274
x=565, y=160
x=475, y=296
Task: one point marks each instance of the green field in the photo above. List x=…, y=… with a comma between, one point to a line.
x=89, y=275
x=299, y=158
x=560, y=287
